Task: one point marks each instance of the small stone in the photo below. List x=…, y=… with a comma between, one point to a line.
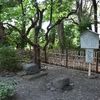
x=48, y=85
x=52, y=89
x=71, y=84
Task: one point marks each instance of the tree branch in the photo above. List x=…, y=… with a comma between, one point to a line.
x=50, y=15
x=74, y=21
x=14, y=27
x=48, y=27
x=29, y=41
x=36, y=18
x=41, y=17
x=55, y=24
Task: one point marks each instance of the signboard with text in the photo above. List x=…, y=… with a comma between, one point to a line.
x=89, y=55
x=89, y=39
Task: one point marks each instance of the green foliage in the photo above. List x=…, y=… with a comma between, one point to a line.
x=6, y=89
x=84, y=24
x=9, y=59
x=12, y=38
x=9, y=3
x=13, y=12
x=41, y=37
x=71, y=35
x=59, y=9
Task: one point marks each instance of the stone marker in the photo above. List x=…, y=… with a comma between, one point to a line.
x=31, y=68
x=62, y=83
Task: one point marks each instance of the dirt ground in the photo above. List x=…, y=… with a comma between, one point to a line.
x=84, y=88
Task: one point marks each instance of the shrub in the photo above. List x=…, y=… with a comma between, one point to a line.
x=6, y=89
x=9, y=59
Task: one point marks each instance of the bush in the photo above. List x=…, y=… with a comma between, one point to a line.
x=9, y=59
x=6, y=89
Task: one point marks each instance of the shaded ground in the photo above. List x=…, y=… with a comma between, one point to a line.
x=84, y=88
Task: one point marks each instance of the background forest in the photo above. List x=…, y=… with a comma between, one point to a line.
x=46, y=24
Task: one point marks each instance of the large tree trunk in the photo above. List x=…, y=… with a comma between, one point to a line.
x=36, y=57
x=2, y=34
x=79, y=6
x=61, y=36
x=23, y=42
x=95, y=15
x=61, y=32
x=0, y=11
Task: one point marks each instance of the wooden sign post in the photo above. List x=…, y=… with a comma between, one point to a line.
x=89, y=59
x=89, y=41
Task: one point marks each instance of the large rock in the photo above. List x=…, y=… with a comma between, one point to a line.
x=31, y=68
x=59, y=84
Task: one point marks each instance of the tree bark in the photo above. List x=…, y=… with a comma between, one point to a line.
x=2, y=34
x=23, y=30
x=61, y=32
x=95, y=15
x=61, y=36
x=79, y=6
x=37, y=58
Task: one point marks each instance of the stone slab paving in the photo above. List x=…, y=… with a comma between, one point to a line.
x=23, y=75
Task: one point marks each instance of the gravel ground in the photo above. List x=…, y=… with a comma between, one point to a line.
x=83, y=89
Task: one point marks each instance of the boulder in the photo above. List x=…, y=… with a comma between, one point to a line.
x=60, y=83
x=31, y=68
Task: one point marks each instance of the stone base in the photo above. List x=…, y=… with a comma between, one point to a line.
x=62, y=84
x=31, y=77
x=93, y=76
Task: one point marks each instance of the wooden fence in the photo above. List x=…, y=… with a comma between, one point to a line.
x=72, y=59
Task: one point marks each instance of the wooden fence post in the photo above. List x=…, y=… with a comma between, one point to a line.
x=45, y=54
x=66, y=57
x=97, y=61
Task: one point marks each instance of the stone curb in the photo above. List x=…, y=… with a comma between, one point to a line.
x=22, y=74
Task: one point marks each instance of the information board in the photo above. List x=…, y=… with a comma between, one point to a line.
x=89, y=39
x=89, y=55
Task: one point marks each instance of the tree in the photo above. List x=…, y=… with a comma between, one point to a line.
x=83, y=18
x=2, y=35
x=7, y=6
x=36, y=23
x=61, y=30
x=28, y=15
x=56, y=18
x=95, y=14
